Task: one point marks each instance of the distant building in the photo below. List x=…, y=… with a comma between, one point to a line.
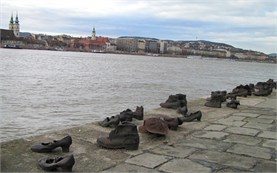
x=91, y=44
x=7, y=37
x=152, y=46
x=14, y=25
x=100, y=43
x=175, y=50
x=127, y=44
x=163, y=46
x=141, y=45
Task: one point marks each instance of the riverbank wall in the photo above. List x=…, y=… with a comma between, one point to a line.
x=225, y=140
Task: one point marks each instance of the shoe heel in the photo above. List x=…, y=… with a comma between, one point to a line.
x=65, y=149
x=132, y=147
x=199, y=117
x=67, y=169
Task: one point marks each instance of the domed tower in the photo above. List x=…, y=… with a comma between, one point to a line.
x=16, y=26
x=93, y=36
x=11, y=23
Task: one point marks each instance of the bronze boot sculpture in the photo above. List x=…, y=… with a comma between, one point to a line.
x=215, y=101
x=124, y=135
x=175, y=101
x=138, y=114
x=62, y=164
x=233, y=103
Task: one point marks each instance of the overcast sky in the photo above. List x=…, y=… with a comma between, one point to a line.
x=247, y=24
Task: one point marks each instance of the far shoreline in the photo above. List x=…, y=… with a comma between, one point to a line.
x=270, y=61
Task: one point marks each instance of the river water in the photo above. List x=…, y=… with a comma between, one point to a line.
x=43, y=91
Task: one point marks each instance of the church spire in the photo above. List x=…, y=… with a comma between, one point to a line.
x=93, y=37
x=16, y=19
x=93, y=30
x=11, y=21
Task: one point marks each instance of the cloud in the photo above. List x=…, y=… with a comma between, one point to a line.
x=238, y=22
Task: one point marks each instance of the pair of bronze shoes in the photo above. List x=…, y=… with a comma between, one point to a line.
x=173, y=123
x=60, y=163
x=126, y=115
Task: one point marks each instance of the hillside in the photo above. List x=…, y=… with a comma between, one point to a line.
x=272, y=55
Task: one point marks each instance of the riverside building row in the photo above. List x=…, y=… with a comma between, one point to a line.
x=91, y=43
x=13, y=38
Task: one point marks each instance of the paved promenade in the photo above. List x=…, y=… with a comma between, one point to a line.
x=226, y=140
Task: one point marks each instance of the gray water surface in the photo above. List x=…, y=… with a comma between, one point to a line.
x=47, y=90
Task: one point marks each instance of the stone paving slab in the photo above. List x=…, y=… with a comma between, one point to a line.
x=270, y=144
x=273, y=129
x=252, y=151
x=232, y=121
x=246, y=114
x=268, y=134
x=260, y=110
x=234, y=118
x=242, y=139
x=271, y=103
x=148, y=160
x=174, y=151
x=148, y=141
x=189, y=126
x=184, y=166
x=272, y=113
x=252, y=102
x=129, y=168
x=259, y=120
x=271, y=117
x=254, y=110
x=260, y=126
x=215, y=127
x=210, y=134
x=230, y=170
x=134, y=152
x=242, y=131
x=223, y=158
x=201, y=143
x=216, y=114
x=265, y=166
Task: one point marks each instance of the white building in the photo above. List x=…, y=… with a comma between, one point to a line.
x=163, y=46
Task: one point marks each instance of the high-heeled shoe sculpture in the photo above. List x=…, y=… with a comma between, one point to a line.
x=50, y=146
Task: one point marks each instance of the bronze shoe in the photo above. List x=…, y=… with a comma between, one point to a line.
x=63, y=164
x=191, y=117
x=50, y=146
x=124, y=135
x=112, y=121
